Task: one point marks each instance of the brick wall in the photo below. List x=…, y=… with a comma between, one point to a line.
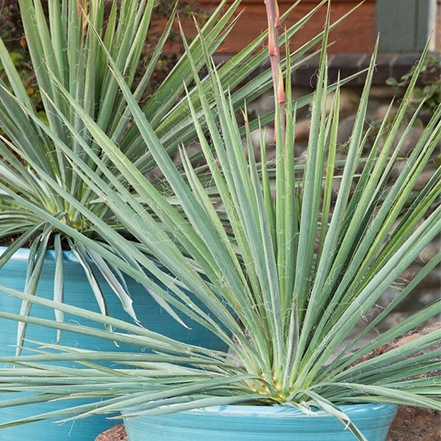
x=355, y=34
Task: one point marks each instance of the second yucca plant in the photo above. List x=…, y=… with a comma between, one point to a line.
x=290, y=276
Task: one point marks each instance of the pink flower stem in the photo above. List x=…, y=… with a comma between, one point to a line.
x=273, y=14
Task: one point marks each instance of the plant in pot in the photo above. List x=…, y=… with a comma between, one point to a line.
x=286, y=282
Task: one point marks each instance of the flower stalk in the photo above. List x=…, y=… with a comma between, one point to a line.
x=273, y=14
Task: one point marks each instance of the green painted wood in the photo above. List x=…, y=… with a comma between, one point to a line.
x=427, y=16
x=405, y=25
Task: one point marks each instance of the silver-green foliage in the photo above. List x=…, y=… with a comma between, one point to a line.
x=68, y=57
x=285, y=282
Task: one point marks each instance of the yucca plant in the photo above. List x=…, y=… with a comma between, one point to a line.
x=290, y=276
x=67, y=57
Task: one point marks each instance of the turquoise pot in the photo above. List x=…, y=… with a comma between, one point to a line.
x=253, y=423
x=77, y=293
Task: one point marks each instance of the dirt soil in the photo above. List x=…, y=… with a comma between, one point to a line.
x=6, y=241
x=411, y=423
x=117, y=433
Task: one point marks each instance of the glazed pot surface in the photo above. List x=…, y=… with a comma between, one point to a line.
x=77, y=293
x=252, y=423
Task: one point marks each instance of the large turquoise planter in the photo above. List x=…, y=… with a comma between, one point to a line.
x=252, y=423
x=77, y=293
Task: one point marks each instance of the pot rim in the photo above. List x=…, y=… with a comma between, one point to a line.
x=283, y=411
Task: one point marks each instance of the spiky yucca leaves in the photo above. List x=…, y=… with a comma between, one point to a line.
x=290, y=278
x=67, y=56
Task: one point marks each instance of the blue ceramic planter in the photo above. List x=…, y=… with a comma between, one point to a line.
x=252, y=423
x=77, y=293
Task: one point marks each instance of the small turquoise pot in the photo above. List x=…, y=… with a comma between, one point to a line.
x=255, y=423
x=77, y=293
